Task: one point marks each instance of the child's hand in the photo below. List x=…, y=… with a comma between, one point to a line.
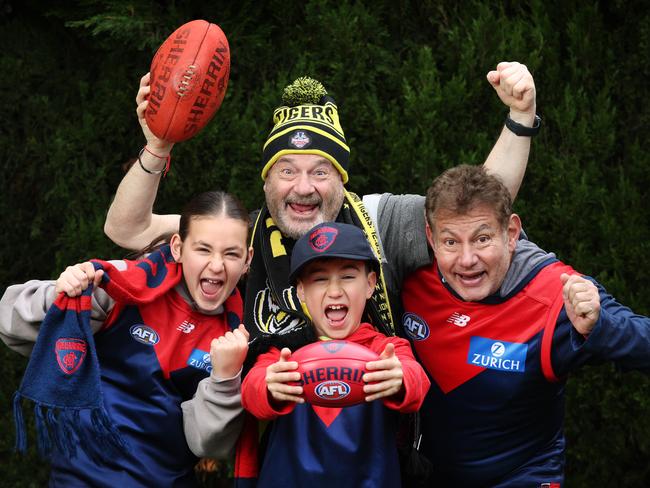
x=387, y=376
x=75, y=279
x=227, y=353
x=279, y=374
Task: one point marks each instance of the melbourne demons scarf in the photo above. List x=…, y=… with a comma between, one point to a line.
x=62, y=378
x=273, y=313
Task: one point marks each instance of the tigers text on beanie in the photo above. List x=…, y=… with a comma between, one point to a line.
x=307, y=123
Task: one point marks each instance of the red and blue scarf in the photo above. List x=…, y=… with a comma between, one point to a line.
x=62, y=378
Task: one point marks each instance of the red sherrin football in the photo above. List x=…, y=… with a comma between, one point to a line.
x=332, y=371
x=189, y=77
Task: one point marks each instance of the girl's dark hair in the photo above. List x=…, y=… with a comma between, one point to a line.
x=207, y=204
x=212, y=203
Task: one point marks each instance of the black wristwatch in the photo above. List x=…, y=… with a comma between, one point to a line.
x=522, y=130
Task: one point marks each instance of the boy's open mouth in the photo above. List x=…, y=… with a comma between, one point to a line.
x=336, y=314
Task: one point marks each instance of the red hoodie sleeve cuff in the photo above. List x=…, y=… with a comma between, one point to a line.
x=415, y=385
x=256, y=397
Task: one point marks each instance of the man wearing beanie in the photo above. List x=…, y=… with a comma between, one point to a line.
x=308, y=123
x=305, y=162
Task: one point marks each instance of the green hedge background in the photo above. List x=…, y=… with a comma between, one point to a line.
x=409, y=78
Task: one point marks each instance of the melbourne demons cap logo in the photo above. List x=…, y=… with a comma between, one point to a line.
x=322, y=238
x=70, y=353
x=332, y=390
x=299, y=139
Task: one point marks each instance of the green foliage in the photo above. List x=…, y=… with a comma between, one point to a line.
x=409, y=81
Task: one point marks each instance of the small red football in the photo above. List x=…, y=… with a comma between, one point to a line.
x=332, y=372
x=189, y=77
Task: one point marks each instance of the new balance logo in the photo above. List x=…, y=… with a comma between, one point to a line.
x=186, y=327
x=458, y=319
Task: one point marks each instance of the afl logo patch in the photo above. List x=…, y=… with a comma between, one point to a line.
x=70, y=354
x=322, y=238
x=415, y=327
x=299, y=139
x=332, y=390
x=145, y=335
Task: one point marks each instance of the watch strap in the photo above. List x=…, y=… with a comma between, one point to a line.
x=522, y=130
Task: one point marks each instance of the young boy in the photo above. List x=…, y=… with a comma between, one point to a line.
x=335, y=271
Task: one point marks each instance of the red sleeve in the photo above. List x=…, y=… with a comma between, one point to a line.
x=255, y=397
x=415, y=381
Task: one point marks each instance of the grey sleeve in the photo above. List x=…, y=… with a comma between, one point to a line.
x=401, y=226
x=23, y=308
x=213, y=419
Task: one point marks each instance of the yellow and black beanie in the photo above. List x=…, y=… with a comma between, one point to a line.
x=307, y=123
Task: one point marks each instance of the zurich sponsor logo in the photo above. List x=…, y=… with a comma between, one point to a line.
x=200, y=360
x=498, y=349
x=415, y=327
x=332, y=390
x=499, y=355
x=144, y=334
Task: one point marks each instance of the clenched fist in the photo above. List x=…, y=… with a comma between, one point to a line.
x=581, y=301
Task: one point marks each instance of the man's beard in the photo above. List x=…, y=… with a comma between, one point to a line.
x=295, y=228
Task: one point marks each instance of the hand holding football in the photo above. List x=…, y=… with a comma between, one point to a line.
x=332, y=372
x=189, y=77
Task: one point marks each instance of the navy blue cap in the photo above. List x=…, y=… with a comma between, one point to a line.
x=331, y=240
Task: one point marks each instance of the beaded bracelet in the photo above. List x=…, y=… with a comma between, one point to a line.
x=163, y=171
